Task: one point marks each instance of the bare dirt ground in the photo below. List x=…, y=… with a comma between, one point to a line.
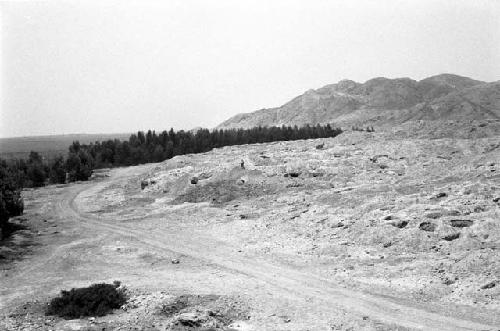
x=373, y=231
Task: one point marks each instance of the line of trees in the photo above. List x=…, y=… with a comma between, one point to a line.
x=152, y=147
x=141, y=148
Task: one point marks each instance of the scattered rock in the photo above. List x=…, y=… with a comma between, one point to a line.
x=175, y=261
x=292, y=174
x=451, y=236
x=202, y=312
x=434, y=215
x=461, y=223
x=448, y=281
x=189, y=320
x=194, y=180
x=320, y=146
x=376, y=157
x=399, y=223
x=479, y=209
x=452, y=213
x=427, y=226
x=73, y=325
x=176, y=306
x=144, y=183
x=489, y=285
x=316, y=174
x=440, y=195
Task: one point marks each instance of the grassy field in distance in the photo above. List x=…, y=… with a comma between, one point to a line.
x=49, y=146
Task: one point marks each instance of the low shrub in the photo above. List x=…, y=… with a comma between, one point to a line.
x=95, y=300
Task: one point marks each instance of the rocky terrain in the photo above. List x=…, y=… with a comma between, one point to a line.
x=388, y=230
x=383, y=102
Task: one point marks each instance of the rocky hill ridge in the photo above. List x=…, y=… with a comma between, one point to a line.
x=383, y=101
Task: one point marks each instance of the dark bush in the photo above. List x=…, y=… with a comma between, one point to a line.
x=11, y=202
x=96, y=300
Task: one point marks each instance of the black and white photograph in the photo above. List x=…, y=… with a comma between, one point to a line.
x=250, y=165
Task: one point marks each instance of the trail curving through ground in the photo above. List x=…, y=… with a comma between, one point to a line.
x=282, y=278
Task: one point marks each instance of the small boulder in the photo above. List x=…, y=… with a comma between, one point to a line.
x=316, y=174
x=461, y=223
x=451, y=236
x=489, y=285
x=144, y=184
x=194, y=180
x=448, y=281
x=427, y=226
x=190, y=320
x=434, y=215
x=399, y=223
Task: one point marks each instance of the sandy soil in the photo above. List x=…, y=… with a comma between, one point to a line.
x=373, y=231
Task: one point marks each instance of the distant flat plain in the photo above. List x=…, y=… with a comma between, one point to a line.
x=49, y=146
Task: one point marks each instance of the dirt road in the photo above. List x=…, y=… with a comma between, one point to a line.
x=283, y=279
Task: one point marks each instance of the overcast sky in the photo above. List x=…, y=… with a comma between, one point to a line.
x=105, y=67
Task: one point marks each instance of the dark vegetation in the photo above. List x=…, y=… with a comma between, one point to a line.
x=152, y=147
x=11, y=203
x=140, y=148
x=95, y=300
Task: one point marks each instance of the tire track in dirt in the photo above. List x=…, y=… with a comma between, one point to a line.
x=284, y=279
